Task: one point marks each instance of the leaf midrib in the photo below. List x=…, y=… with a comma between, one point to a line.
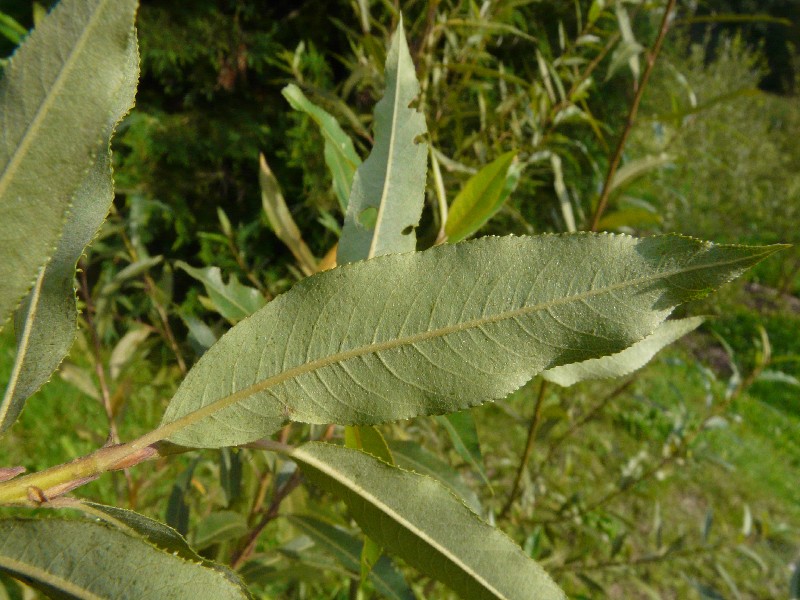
x=32, y=130
x=398, y=518
x=390, y=162
x=22, y=348
x=189, y=419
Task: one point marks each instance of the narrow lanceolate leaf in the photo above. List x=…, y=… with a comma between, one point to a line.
x=625, y=362
x=419, y=520
x=59, y=102
x=479, y=199
x=340, y=155
x=347, y=549
x=280, y=219
x=93, y=561
x=439, y=331
x=389, y=187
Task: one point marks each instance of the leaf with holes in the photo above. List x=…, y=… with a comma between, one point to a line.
x=389, y=187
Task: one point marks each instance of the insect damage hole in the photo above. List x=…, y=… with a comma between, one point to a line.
x=368, y=217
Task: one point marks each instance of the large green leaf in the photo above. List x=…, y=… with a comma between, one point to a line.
x=340, y=155
x=421, y=521
x=629, y=360
x=480, y=198
x=438, y=331
x=93, y=561
x=59, y=103
x=389, y=187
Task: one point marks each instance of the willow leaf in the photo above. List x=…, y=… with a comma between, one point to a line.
x=439, y=331
x=59, y=101
x=629, y=360
x=389, y=187
x=92, y=561
x=421, y=521
x=340, y=155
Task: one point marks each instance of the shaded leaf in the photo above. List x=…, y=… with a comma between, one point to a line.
x=125, y=349
x=78, y=559
x=389, y=187
x=68, y=76
x=232, y=300
x=633, y=169
x=419, y=520
x=629, y=360
x=280, y=219
x=340, y=155
x=463, y=432
x=347, y=550
x=481, y=197
x=374, y=341
x=177, y=515
x=219, y=526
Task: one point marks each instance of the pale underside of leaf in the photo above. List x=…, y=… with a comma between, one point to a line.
x=58, y=104
x=439, y=331
x=422, y=522
x=626, y=362
x=87, y=560
x=389, y=187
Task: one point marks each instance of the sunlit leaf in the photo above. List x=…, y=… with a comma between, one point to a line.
x=419, y=520
x=439, y=331
x=389, y=187
x=480, y=198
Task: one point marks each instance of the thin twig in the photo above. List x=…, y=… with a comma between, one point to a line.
x=617, y=156
x=105, y=392
x=526, y=455
x=634, y=562
x=271, y=514
x=589, y=416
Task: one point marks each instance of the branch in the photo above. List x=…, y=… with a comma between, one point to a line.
x=617, y=156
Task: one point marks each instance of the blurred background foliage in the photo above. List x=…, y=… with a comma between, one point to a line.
x=678, y=483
